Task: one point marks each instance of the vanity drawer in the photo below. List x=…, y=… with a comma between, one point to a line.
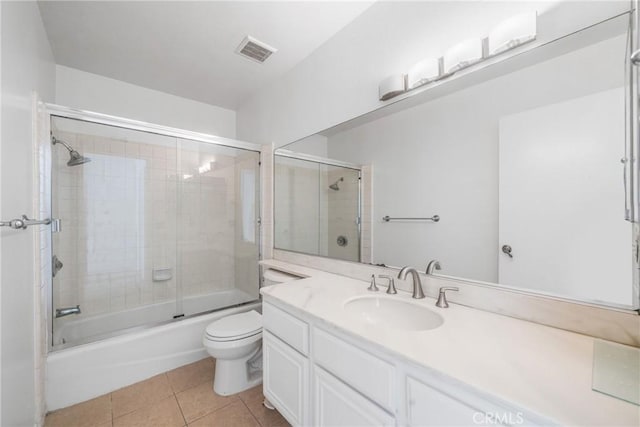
x=434, y=400
x=338, y=405
x=371, y=376
x=427, y=406
x=288, y=328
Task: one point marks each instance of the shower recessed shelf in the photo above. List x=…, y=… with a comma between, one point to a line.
x=162, y=274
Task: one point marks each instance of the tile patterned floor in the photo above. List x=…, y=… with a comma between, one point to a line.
x=182, y=397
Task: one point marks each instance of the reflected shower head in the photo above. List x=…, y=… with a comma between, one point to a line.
x=334, y=186
x=75, y=157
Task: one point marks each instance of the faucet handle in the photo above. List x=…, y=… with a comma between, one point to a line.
x=391, y=289
x=433, y=265
x=373, y=287
x=442, y=296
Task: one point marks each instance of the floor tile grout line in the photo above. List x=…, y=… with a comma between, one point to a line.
x=151, y=403
x=191, y=387
x=180, y=408
x=209, y=413
x=111, y=406
x=251, y=412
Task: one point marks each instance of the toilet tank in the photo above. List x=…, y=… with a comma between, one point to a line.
x=273, y=277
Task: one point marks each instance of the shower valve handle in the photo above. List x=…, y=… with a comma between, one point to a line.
x=24, y=222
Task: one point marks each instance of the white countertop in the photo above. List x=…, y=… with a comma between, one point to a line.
x=544, y=369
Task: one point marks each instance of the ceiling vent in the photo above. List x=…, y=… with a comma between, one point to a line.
x=255, y=50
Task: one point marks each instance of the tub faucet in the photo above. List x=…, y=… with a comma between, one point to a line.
x=61, y=312
x=433, y=265
x=417, y=284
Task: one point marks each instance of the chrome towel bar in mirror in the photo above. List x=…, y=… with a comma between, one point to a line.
x=434, y=218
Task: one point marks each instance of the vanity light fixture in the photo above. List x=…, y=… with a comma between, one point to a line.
x=510, y=33
x=517, y=30
x=392, y=86
x=462, y=55
x=423, y=72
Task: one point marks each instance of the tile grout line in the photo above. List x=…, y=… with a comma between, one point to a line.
x=209, y=413
x=111, y=405
x=113, y=418
x=175, y=396
x=251, y=412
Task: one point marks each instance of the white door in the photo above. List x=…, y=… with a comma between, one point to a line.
x=562, y=199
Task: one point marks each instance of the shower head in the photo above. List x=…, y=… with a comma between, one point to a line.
x=334, y=186
x=75, y=157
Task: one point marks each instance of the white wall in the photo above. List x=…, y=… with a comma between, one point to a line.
x=86, y=91
x=339, y=80
x=27, y=65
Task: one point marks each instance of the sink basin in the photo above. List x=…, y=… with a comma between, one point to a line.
x=393, y=313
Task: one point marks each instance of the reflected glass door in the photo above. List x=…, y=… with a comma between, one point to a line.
x=317, y=207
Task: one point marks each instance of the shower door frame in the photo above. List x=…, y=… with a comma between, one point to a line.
x=55, y=110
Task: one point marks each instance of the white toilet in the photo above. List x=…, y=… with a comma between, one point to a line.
x=235, y=342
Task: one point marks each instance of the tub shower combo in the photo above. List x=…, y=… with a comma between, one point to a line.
x=151, y=228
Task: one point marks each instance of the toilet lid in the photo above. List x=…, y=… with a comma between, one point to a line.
x=236, y=325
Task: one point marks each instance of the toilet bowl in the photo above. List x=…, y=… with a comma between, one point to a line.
x=235, y=342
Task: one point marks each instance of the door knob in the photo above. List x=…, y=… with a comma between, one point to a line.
x=507, y=250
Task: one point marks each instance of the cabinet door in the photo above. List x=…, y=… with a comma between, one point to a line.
x=285, y=379
x=337, y=404
x=427, y=406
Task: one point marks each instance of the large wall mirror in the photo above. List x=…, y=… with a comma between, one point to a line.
x=522, y=167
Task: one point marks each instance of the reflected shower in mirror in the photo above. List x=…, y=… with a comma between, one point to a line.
x=521, y=162
x=317, y=206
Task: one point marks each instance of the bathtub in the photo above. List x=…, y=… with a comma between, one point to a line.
x=89, y=370
x=80, y=330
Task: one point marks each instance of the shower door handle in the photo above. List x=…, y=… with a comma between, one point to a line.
x=24, y=222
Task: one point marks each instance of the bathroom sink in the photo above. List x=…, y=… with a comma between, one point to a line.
x=393, y=313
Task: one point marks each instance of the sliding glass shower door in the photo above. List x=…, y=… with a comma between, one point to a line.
x=152, y=228
x=218, y=189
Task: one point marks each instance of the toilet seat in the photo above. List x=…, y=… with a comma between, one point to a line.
x=235, y=327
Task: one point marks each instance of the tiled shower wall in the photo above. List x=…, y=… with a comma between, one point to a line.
x=343, y=208
x=309, y=216
x=136, y=208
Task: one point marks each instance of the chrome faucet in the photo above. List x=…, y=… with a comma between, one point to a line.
x=433, y=265
x=61, y=312
x=417, y=284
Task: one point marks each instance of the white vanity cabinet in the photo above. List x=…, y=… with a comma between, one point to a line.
x=285, y=350
x=315, y=376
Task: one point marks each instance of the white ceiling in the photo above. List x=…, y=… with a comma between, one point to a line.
x=187, y=48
